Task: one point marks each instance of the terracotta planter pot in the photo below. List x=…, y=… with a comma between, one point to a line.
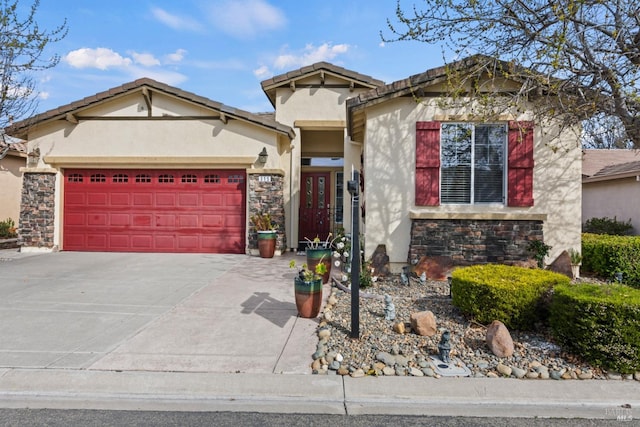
x=315, y=256
x=267, y=243
x=308, y=297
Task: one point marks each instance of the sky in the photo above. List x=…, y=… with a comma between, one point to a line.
x=219, y=49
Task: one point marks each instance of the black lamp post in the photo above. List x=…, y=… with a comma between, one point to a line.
x=352, y=186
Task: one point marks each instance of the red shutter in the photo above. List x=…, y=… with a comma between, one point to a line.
x=520, y=165
x=427, y=163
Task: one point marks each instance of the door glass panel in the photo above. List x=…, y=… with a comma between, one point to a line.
x=321, y=190
x=309, y=192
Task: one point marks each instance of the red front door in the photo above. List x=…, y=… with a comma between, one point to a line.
x=315, y=219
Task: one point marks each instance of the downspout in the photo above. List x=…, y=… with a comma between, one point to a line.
x=291, y=200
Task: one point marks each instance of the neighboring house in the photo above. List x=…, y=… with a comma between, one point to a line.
x=12, y=157
x=611, y=185
x=148, y=167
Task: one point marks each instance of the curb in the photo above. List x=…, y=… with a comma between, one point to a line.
x=316, y=394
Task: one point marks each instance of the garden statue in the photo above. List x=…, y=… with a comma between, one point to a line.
x=404, y=276
x=444, y=347
x=423, y=278
x=389, y=308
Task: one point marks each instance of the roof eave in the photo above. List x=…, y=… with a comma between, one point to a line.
x=21, y=129
x=612, y=177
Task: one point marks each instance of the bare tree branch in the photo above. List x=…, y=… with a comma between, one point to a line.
x=22, y=47
x=588, y=48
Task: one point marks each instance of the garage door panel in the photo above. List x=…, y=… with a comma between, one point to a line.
x=120, y=199
x=187, y=243
x=96, y=241
x=142, y=200
x=97, y=199
x=233, y=221
x=214, y=200
x=141, y=220
x=120, y=219
x=154, y=210
x=76, y=199
x=119, y=241
x=164, y=242
x=212, y=221
x=142, y=242
x=97, y=219
x=165, y=199
x=75, y=240
x=188, y=221
x=188, y=199
x=75, y=219
x=232, y=199
x=166, y=220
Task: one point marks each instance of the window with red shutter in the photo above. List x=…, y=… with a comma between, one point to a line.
x=520, y=164
x=427, y=163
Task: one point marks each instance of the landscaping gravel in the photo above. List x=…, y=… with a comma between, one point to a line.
x=381, y=350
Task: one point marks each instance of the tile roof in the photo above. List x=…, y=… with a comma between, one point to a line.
x=597, y=161
x=13, y=148
x=411, y=86
x=620, y=169
x=19, y=129
x=270, y=85
x=18, y=147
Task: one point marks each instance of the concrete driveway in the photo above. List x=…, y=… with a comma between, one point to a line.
x=151, y=312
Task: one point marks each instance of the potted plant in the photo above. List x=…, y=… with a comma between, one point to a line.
x=319, y=251
x=308, y=289
x=266, y=234
x=576, y=261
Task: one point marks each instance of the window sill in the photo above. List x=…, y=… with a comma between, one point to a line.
x=507, y=216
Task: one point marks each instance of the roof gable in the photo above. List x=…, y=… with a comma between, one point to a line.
x=350, y=78
x=146, y=86
x=414, y=86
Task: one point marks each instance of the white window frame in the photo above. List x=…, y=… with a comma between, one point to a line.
x=473, y=161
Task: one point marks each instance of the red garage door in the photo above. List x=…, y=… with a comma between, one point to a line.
x=154, y=210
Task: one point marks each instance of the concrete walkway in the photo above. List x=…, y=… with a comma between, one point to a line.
x=215, y=333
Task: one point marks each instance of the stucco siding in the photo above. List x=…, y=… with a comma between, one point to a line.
x=10, y=187
x=390, y=181
x=618, y=198
x=109, y=137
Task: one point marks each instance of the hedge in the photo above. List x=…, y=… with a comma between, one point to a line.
x=605, y=255
x=513, y=295
x=600, y=323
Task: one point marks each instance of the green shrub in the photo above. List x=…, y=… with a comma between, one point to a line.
x=7, y=229
x=513, y=295
x=600, y=323
x=607, y=226
x=605, y=256
x=540, y=250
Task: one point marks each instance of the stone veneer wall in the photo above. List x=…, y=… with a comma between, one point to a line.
x=470, y=241
x=266, y=194
x=37, y=210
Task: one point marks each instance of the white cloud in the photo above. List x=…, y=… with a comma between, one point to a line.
x=246, y=18
x=145, y=59
x=176, y=22
x=44, y=95
x=165, y=76
x=139, y=65
x=175, y=57
x=262, y=72
x=310, y=55
x=100, y=58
